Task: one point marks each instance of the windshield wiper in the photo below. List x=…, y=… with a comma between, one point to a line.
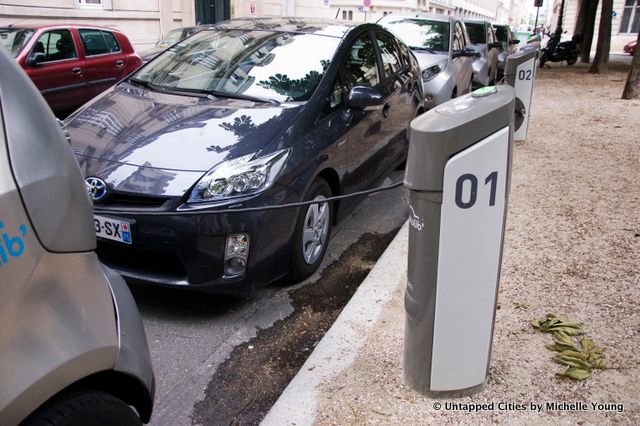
x=202, y=92
x=143, y=83
x=424, y=49
x=138, y=81
x=243, y=97
x=171, y=90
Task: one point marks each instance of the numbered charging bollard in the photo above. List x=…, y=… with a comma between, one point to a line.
x=520, y=72
x=458, y=175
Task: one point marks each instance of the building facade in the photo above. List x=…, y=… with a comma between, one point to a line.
x=143, y=21
x=625, y=22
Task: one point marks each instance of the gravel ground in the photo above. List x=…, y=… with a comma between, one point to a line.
x=572, y=246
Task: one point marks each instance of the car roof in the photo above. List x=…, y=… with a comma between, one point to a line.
x=428, y=16
x=48, y=26
x=331, y=28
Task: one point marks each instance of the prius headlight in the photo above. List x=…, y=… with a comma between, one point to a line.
x=239, y=177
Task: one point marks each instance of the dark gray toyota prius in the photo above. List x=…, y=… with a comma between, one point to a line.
x=246, y=114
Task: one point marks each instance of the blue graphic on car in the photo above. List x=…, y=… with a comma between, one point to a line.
x=11, y=246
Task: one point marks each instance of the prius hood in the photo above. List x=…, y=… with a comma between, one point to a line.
x=137, y=127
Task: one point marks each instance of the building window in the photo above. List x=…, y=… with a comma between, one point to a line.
x=91, y=3
x=351, y=15
x=344, y=15
x=630, y=17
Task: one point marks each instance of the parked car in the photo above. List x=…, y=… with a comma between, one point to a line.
x=485, y=65
x=630, y=47
x=442, y=47
x=70, y=64
x=72, y=346
x=249, y=113
x=524, y=38
x=509, y=45
x=172, y=37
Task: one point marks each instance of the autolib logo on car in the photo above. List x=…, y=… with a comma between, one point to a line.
x=96, y=187
x=11, y=246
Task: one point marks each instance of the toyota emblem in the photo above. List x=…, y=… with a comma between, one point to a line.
x=96, y=187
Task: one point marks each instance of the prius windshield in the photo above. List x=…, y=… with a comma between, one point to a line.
x=260, y=64
x=421, y=34
x=14, y=39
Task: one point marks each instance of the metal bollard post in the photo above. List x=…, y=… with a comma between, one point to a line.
x=458, y=173
x=519, y=73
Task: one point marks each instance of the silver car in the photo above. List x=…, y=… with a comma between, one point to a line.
x=487, y=47
x=509, y=45
x=72, y=346
x=442, y=47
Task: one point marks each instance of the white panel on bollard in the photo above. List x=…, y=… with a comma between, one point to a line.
x=525, y=74
x=471, y=230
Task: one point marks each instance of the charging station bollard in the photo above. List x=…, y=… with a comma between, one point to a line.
x=458, y=173
x=519, y=73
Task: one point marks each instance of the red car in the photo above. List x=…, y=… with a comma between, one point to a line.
x=630, y=47
x=70, y=64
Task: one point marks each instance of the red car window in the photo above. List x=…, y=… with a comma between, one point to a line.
x=56, y=45
x=112, y=43
x=96, y=42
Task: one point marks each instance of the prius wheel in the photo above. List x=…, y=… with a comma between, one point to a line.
x=84, y=408
x=313, y=229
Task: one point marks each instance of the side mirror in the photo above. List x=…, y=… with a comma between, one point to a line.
x=514, y=41
x=364, y=98
x=35, y=59
x=466, y=52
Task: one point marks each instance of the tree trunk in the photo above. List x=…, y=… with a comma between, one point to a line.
x=604, y=38
x=581, y=19
x=632, y=87
x=589, y=24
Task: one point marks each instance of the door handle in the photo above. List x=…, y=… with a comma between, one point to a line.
x=76, y=70
x=385, y=110
x=119, y=63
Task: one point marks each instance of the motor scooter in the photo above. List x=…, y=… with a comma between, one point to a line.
x=557, y=51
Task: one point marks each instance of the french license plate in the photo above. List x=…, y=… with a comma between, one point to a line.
x=112, y=229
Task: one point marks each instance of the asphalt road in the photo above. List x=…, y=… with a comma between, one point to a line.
x=190, y=334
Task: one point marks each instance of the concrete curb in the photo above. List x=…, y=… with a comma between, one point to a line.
x=340, y=346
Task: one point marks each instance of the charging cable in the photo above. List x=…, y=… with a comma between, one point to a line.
x=248, y=209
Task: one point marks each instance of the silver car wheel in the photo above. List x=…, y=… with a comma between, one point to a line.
x=315, y=230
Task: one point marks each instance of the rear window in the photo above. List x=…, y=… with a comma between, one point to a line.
x=98, y=42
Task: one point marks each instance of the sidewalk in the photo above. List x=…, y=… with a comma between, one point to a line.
x=572, y=246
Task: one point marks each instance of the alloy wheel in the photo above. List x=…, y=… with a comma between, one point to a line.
x=315, y=230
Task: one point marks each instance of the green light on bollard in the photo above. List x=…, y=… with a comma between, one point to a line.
x=484, y=91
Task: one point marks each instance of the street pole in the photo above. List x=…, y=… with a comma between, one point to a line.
x=536, y=24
